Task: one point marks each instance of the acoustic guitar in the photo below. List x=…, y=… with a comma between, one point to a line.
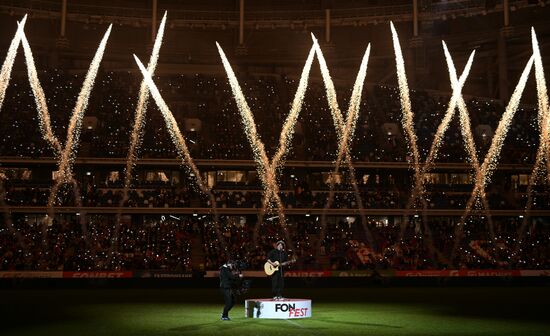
x=270, y=269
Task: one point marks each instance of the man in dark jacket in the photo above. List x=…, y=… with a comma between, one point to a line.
x=227, y=280
x=277, y=279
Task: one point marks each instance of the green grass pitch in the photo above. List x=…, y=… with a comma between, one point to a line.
x=348, y=311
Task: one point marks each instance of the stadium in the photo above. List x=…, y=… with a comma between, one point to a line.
x=360, y=167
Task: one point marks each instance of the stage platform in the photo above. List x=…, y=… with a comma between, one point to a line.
x=278, y=309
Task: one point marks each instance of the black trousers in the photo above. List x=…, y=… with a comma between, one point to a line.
x=229, y=300
x=277, y=283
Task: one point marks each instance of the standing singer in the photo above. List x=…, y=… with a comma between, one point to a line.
x=277, y=257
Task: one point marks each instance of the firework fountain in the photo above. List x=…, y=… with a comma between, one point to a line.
x=269, y=170
x=466, y=131
x=482, y=172
x=40, y=100
x=407, y=121
x=456, y=102
x=285, y=141
x=483, y=176
x=67, y=154
x=7, y=66
x=47, y=132
x=543, y=152
x=344, y=131
x=5, y=75
x=181, y=146
x=418, y=189
x=136, y=137
x=407, y=116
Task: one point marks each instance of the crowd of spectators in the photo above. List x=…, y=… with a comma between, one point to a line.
x=35, y=243
x=185, y=243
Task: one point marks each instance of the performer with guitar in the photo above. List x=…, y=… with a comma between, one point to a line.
x=276, y=259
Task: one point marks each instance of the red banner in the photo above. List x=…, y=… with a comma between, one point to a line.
x=292, y=274
x=535, y=273
x=308, y=274
x=458, y=273
x=98, y=275
x=30, y=274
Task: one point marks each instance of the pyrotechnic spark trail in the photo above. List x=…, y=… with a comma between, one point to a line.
x=457, y=85
x=40, y=100
x=464, y=116
x=258, y=149
x=456, y=101
x=5, y=76
x=491, y=159
x=66, y=154
x=181, y=146
x=268, y=170
x=466, y=131
x=407, y=121
x=139, y=124
x=73, y=132
x=344, y=134
x=285, y=141
x=543, y=152
x=418, y=190
x=287, y=132
x=407, y=115
x=7, y=66
x=141, y=110
x=467, y=135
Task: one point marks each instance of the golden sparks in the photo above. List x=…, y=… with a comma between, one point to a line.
x=543, y=152
x=181, y=146
x=136, y=136
x=344, y=132
x=7, y=66
x=483, y=176
x=68, y=153
x=268, y=170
